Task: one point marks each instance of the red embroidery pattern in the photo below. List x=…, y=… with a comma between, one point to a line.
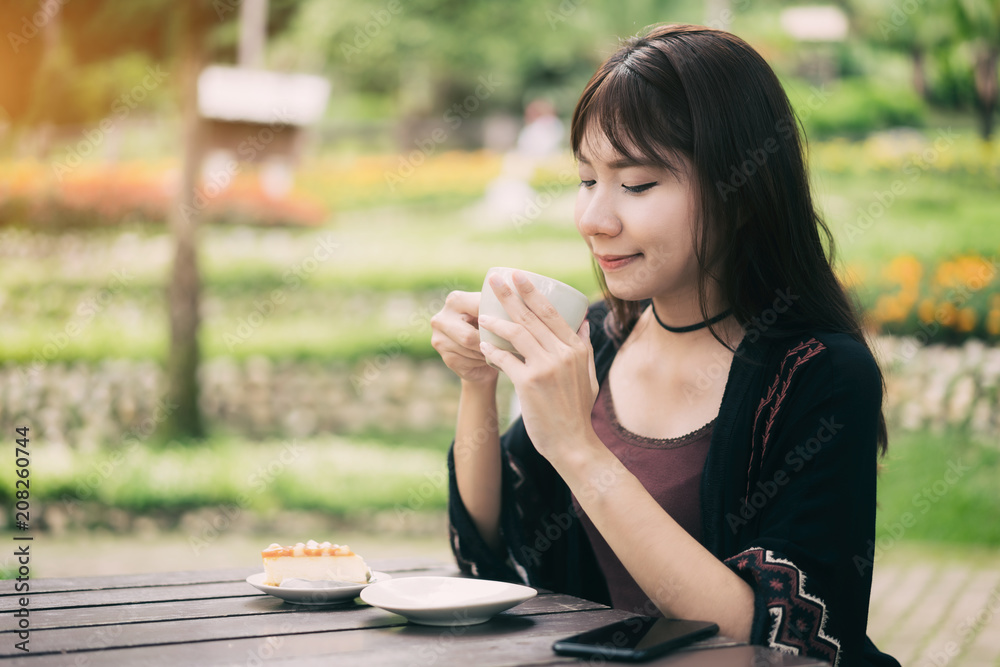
x=798, y=619
x=786, y=371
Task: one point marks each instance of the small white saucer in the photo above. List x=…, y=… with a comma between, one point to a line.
x=311, y=594
x=446, y=601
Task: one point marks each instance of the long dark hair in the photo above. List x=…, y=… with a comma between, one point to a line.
x=707, y=95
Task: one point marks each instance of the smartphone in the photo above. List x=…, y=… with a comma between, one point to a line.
x=636, y=639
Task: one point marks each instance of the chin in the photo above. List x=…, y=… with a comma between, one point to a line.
x=621, y=289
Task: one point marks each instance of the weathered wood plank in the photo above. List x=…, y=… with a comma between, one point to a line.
x=133, y=580
x=386, y=639
x=426, y=566
x=537, y=650
x=730, y=656
x=181, y=631
x=174, y=622
x=146, y=612
x=80, y=617
x=506, y=640
x=61, y=600
x=554, y=603
x=409, y=564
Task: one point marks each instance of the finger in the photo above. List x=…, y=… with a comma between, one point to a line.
x=466, y=303
x=458, y=329
x=522, y=339
x=520, y=313
x=584, y=334
x=540, y=305
x=502, y=359
x=445, y=344
x=463, y=352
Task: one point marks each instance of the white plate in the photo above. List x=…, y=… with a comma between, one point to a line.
x=446, y=600
x=314, y=595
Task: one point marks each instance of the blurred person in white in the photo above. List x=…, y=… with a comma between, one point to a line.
x=510, y=194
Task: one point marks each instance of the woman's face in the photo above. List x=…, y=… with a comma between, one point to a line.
x=638, y=221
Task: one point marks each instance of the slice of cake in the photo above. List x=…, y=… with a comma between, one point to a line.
x=313, y=562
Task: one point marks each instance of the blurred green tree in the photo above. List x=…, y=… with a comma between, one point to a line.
x=919, y=34
x=960, y=37
x=978, y=24
x=424, y=55
x=55, y=41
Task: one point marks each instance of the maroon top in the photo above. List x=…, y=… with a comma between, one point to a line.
x=669, y=468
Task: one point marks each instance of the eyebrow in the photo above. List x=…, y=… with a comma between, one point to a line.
x=620, y=163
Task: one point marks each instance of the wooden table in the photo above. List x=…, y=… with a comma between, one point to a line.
x=216, y=618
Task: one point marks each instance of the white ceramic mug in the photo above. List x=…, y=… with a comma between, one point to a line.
x=571, y=303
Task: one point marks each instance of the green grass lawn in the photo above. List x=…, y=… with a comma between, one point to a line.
x=935, y=216
x=396, y=473
x=939, y=488
x=297, y=307
x=919, y=499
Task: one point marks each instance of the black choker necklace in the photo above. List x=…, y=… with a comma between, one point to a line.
x=694, y=327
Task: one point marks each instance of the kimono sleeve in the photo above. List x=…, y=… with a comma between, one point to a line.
x=808, y=515
x=530, y=488
x=473, y=556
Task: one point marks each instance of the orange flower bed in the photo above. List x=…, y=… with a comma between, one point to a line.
x=956, y=299
x=109, y=195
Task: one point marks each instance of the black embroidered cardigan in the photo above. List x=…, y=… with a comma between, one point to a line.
x=787, y=496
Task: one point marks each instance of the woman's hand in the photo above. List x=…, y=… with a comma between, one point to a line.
x=556, y=383
x=455, y=336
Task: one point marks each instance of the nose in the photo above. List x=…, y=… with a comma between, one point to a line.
x=596, y=214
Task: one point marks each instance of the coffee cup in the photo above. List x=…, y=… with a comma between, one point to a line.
x=570, y=303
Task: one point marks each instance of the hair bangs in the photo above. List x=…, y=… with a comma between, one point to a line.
x=623, y=107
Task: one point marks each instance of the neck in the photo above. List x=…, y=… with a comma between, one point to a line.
x=678, y=313
x=691, y=327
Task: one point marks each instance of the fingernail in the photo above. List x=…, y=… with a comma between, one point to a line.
x=520, y=278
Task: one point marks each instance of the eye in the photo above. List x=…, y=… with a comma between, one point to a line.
x=587, y=184
x=636, y=189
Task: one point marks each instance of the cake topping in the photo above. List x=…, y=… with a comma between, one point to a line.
x=310, y=548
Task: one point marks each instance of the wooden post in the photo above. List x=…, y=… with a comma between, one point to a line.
x=183, y=293
x=253, y=33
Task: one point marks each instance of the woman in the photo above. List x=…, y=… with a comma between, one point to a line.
x=706, y=445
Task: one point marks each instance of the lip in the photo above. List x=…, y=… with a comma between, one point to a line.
x=612, y=262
